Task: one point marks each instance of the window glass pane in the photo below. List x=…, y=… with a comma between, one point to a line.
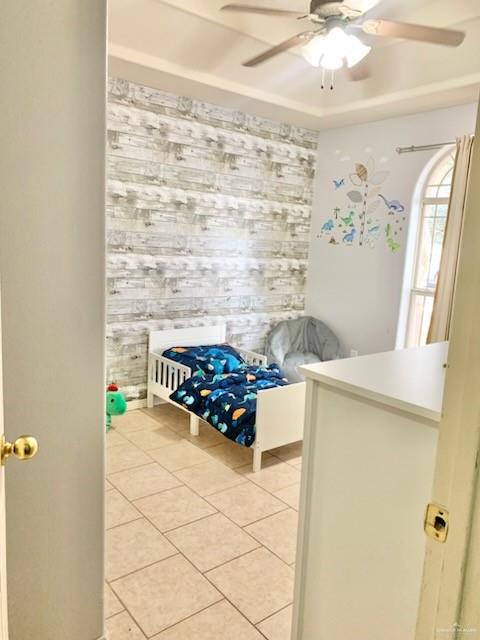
x=429, y=210
x=419, y=321
x=429, y=251
x=424, y=253
x=440, y=180
x=415, y=321
x=443, y=191
x=435, y=210
x=426, y=319
x=442, y=173
x=436, y=255
x=438, y=191
x=442, y=210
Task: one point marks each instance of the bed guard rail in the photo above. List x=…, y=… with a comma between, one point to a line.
x=252, y=358
x=168, y=373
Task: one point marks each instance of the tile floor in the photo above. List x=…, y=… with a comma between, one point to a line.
x=198, y=546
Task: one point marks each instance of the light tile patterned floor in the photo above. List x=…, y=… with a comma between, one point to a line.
x=198, y=547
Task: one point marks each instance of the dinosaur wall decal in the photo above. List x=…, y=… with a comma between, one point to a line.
x=327, y=226
x=358, y=217
x=348, y=220
x=394, y=206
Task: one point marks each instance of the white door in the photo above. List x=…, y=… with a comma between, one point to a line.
x=449, y=597
x=24, y=448
x=3, y=555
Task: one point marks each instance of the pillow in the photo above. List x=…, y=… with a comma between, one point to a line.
x=209, y=359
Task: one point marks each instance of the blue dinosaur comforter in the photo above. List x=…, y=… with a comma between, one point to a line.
x=210, y=359
x=228, y=400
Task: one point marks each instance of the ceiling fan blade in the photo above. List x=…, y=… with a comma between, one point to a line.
x=350, y=12
x=246, y=8
x=300, y=38
x=361, y=6
x=389, y=29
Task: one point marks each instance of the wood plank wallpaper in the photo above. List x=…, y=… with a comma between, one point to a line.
x=208, y=220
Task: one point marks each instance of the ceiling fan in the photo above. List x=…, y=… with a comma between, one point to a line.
x=330, y=43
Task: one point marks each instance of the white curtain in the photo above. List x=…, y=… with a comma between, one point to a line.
x=447, y=277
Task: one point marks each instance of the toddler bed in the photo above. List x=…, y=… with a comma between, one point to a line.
x=279, y=410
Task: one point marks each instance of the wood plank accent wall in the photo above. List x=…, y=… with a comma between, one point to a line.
x=208, y=220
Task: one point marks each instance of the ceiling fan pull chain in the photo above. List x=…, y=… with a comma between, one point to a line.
x=323, y=78
x=332, y=80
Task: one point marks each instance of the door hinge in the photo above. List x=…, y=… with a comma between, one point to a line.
x=436, y=522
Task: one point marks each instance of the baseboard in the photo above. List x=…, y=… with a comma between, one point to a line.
x=136, y=404
x=142, y=403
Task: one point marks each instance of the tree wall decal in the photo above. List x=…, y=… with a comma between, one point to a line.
x=360, y=224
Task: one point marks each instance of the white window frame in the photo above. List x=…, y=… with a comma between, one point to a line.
x=410, y=290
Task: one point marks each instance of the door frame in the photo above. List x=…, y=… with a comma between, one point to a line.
x=446, y=607
x=3, y=537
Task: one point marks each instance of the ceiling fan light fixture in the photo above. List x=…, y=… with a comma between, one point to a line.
x=314, y=50
x=356, y=51
x=332, y=50
x=331, y=61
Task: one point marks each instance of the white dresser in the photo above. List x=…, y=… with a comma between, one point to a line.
x=369, y=450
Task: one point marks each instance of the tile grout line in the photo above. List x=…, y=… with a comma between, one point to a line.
x=228, y=518
x=121, y=524
x=188, y=523
x=222, y=564
x=149, y=495
x=206, y=499
x=192, y=615
x=143, y=515
x=233, y=605
x=137, y=466
x=125, y=610
x=261, y=546
x=274, y=614
x=225, y=597
x=285, y=507
x=147, y=566
x=203, y=574
x=179, y=552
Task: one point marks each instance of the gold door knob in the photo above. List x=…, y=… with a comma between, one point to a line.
x=24, y=448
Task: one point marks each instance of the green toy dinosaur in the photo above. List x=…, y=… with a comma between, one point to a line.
x=115, y=404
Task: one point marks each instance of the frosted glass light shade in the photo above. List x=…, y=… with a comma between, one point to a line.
x=314, y=50
x=356, y=51
x=331, y=61
x=335, y=48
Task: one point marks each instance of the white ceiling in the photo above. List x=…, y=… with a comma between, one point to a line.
x=191, y=48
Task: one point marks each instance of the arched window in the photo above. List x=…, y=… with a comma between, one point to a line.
x=429, y=243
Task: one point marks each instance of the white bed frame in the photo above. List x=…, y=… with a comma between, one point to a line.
x=280, y=411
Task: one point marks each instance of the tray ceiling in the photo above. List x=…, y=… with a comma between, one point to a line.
x=191, y=48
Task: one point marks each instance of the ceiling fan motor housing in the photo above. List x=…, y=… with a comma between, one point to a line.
x=326, y=8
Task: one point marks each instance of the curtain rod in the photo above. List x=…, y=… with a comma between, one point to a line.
x=425, y=147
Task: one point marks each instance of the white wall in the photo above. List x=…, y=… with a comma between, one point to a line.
x=52, y=254
x=357, y=290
